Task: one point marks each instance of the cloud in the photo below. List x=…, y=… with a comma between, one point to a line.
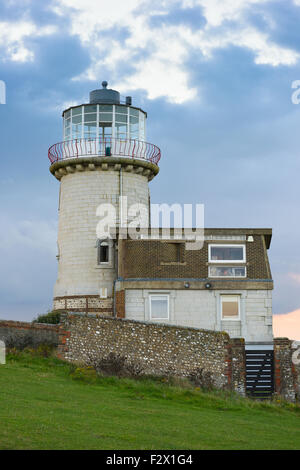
x=13, y=37
x=218, y=11
x=122, y=39
x=120, y=36
x=287, y=325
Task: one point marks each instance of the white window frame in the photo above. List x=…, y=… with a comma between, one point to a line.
x=103, y=243
x=225, y=277
x=237, y=318
x=168, y=306
x=227, y=261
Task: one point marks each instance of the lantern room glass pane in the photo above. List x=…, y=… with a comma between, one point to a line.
x=76, y=131
x=134, y=131
x=90, y=125
x=121, y=130
x=90, y=109
x=76, y=119
x=90, y=117
x=105, y=108
x=105, y=131
x=121, y=117
x=105, y=117
x=134, y=112
x=121, y=109
x=142, y=126
x=67, y=114
x=134, y=120
x=90, y=131
x=76, y=111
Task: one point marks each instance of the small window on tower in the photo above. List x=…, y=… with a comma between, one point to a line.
x=103, y=252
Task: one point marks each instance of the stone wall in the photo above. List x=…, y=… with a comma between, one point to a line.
x=156, y=349
x=287, y=371
x=237, y=361
x=296, y=370
x=22, y=334
x=84, y=303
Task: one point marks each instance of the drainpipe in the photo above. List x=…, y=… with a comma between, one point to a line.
x=120, y=199
x=114, y=287
x=120, y=225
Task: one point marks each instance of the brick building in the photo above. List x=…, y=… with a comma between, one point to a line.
x=225, y=286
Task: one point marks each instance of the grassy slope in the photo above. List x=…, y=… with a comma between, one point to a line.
x=43, y=407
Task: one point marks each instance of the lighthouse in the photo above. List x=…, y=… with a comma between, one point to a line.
x=103, y=158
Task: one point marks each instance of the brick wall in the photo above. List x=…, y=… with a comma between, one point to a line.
x=155, y=348
x=153, y=259
x=120, y=304
x=22, y=334
x=237, y=362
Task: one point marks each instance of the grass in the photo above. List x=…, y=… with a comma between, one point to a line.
x=46, y=404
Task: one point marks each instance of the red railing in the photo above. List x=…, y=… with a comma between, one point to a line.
x=107, y=147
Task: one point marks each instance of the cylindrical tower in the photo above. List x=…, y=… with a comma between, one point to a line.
x=104, y=156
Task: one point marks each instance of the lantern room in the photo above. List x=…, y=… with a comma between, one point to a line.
x=107, y=126
x=105, y=116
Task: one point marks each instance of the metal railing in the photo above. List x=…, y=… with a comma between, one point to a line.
x=104, y=147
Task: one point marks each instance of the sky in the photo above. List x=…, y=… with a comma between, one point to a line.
x=215, y=77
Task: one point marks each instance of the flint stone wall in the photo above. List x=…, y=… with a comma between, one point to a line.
x=156, y=349
x=287, y=369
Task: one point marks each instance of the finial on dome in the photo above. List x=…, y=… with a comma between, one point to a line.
x=104, y=84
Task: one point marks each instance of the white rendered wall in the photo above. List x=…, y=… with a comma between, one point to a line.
x=81, y=193
x=202, y=309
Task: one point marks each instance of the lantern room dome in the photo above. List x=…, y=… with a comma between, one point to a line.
x=104, y=95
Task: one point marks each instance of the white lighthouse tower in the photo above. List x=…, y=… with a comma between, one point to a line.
x=103, y=156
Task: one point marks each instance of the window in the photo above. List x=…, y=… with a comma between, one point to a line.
x=227, y=271
x=103, y=252
x=159, y=307
x=230, y=307
x=226, y=253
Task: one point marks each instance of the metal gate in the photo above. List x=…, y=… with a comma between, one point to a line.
x=260, y=373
